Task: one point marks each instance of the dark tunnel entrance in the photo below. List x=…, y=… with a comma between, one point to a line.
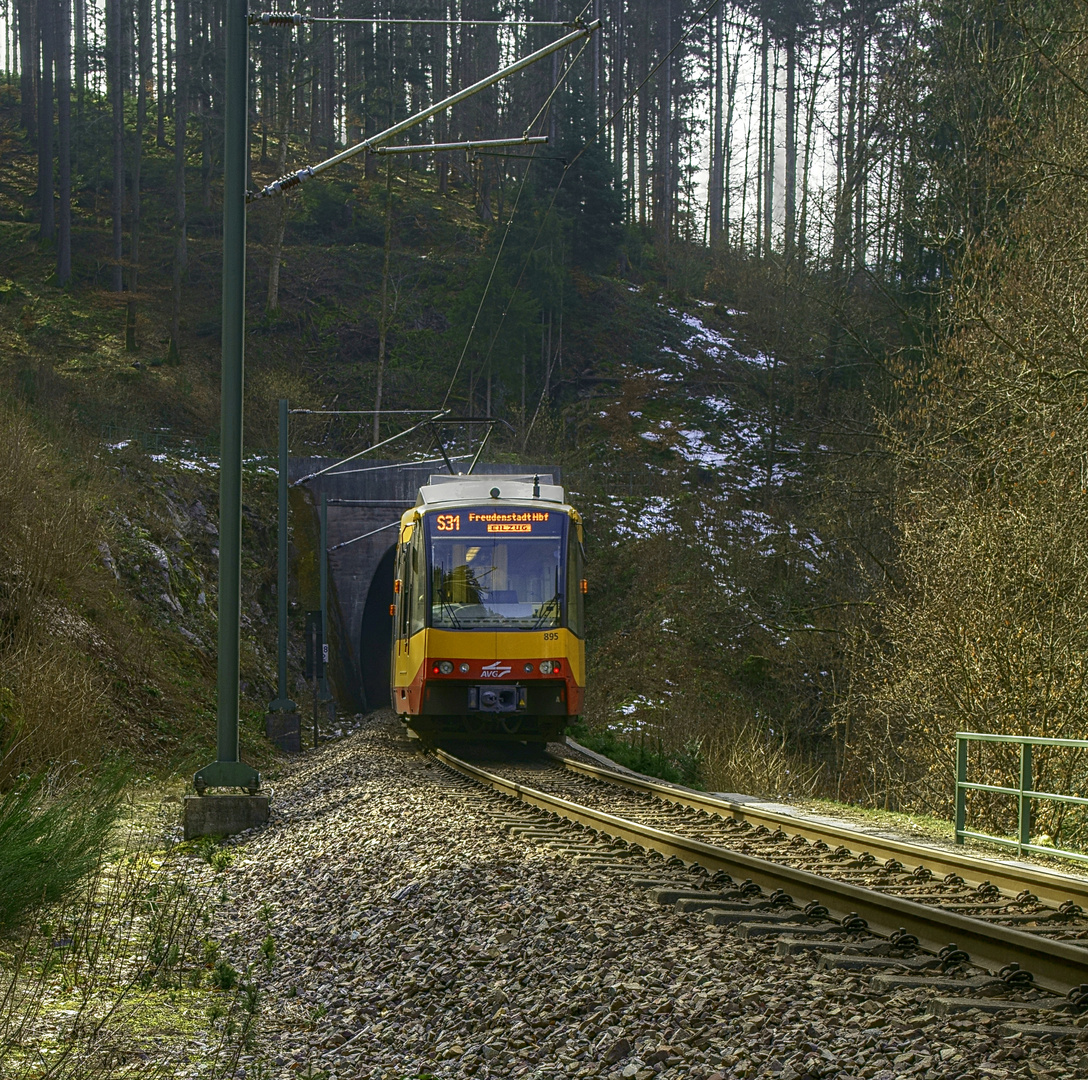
x=376, y=634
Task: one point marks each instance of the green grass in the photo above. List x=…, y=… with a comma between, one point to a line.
x=677, y=767
x=49, y=843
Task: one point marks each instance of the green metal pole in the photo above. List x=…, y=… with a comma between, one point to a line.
x=227, y=770
x=282, y=703
x=1024, y=808
x=323, y=689
x=961, y=791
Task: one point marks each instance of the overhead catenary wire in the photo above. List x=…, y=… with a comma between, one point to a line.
x=468, y=145
x=366, y=450
x=362, y=412
x=296, y=18
x=356, y=539
x=581, y=30
x=402, y=465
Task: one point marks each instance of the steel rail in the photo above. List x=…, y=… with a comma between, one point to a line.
x=1056, y=965
x=1050, y=886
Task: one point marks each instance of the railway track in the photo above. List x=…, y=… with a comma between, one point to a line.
x=1022, y=929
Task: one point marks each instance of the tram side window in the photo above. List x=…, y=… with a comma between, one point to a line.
x=575, y=573
x=417, y=585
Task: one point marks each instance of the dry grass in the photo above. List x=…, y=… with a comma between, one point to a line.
x=120, y=980
x=751, y=762
x=53, y=689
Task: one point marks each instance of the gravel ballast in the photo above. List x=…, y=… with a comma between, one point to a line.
x=415, y=937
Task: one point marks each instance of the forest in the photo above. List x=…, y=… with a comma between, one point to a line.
x=793, y=294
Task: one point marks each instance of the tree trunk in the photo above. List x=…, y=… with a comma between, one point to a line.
x=160, y=69
x=284, y=116
x=181, y=117
x=734, y=72
x=791, y=144
x=810, y=117
x=353, y=105
x=616, y=69
x=768, y=185
x=369, y=82
x=45, y=121
x=553, y=113
x=114, y=80
x=717, y=104
x=78, y=37
x=761, y=145
x=441, y=90
x=27, y=12
x=662, y=193
x=143, y=77
x=383, y=325
x=596, y=45
x=64, y=140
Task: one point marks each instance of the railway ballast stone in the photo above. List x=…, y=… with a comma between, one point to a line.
x=415, y=937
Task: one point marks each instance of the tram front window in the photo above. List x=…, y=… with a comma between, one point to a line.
x=513, y=583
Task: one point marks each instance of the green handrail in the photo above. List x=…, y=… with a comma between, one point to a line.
x=1024, y=793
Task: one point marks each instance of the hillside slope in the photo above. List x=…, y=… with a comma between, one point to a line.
x=711, y=543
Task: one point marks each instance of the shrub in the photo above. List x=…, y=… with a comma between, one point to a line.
x=50, y=841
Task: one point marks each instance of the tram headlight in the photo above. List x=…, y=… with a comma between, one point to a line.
x=444, y=667
x=529, y=667
x=549, y=667
x=463, y=667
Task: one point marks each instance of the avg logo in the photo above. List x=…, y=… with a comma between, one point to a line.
x=495, y=671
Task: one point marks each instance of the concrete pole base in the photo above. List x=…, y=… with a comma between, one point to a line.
x=223, y=815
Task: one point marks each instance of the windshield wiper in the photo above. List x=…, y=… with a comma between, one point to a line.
x=448, y=606
x=547, y=612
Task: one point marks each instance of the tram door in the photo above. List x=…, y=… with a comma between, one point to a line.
x=400, y=651
x=411, y=598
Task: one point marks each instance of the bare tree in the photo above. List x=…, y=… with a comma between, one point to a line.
x=143, y=76
x=181, y=119
x=64, y=140
x=45, y=120
x=115, y=87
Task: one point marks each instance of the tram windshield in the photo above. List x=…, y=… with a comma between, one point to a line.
x=496, y=569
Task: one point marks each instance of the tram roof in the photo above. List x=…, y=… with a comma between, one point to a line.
x=531, y=487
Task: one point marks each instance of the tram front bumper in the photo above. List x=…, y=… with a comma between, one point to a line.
x=498, y=698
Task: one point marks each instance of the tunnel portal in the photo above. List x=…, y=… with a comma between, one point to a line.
x=364, y=497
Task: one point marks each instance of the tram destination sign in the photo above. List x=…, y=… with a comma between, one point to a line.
x=488, y=522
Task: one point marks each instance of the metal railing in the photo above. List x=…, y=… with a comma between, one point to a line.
x=1023, y=793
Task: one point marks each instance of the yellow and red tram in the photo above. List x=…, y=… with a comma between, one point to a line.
x=488, y=627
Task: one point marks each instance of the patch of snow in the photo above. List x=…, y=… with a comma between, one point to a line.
x=637, y=516
x=697, y=449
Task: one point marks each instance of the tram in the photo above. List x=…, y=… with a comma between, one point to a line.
x=488, y=612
